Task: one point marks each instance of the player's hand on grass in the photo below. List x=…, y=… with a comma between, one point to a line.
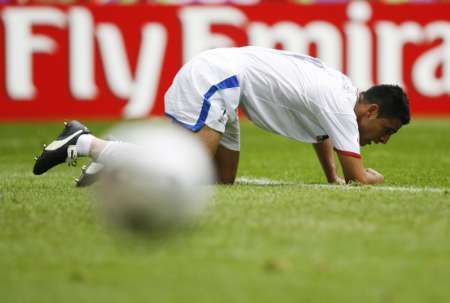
x=355, y=172
x=338, y=181
x=374, y=175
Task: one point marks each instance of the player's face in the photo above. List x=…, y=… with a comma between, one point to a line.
x=377, y=130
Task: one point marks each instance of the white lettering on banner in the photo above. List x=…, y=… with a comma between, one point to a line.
x=297, y=39
x=115, y=60
x=196, y=23
x=423, y=72
x=391, y=40
x=21, y=43
x=356, y=38
x=140, y=92
x=81, y=54
x=238, y=2
x=359, y=42
x=148, y=72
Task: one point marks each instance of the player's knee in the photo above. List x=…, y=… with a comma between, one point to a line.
x=210, y=138
x=228, y=180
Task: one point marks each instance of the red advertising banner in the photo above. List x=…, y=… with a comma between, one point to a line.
x=117, y=61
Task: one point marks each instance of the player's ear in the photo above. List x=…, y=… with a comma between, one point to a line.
x=372, y=110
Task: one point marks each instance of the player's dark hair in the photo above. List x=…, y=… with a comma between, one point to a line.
x=391, y=100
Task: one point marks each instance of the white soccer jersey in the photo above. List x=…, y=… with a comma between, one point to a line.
x=293, y=95
x=299, y=97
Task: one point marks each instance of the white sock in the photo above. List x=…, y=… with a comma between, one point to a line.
x=84, y=144
x=114, y=151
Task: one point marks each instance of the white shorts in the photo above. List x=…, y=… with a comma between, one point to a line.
x=205, y=93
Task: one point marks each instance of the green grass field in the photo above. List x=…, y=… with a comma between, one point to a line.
x=283, y=242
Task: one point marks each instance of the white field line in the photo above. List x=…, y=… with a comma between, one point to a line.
x=410, y=189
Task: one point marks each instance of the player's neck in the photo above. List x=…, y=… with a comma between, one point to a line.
x=359, y=108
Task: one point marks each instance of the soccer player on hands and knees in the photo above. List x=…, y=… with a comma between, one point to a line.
x=290, y=94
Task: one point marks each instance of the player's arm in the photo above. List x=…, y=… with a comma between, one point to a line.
x=354, y=170
x=325, y=154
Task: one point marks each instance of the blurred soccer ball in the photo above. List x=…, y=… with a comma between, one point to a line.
x=160, y=181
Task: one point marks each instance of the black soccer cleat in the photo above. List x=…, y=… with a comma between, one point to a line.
x=89, y=174
x=62, y=149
